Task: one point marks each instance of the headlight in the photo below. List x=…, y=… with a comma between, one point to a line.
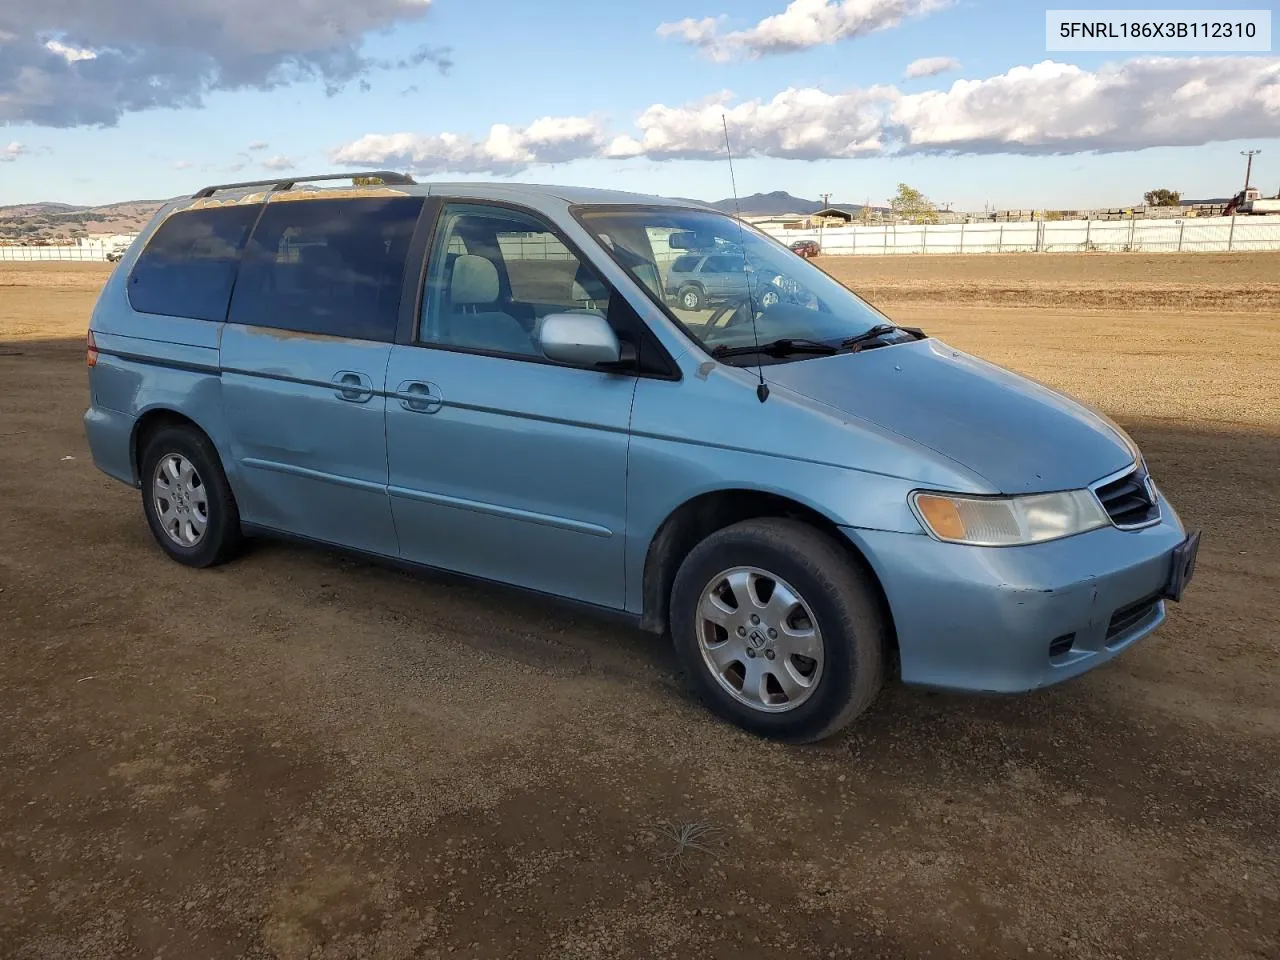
x=1008, y=521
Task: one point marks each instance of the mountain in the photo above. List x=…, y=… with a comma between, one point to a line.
x=777, y=203
x=47, y=221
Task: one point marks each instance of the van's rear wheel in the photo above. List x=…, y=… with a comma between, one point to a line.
x=777, y=630
x=187, y=499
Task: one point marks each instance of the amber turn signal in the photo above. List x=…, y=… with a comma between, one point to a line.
x=942, y=515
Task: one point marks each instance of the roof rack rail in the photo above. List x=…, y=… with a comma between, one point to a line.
x=286, y=183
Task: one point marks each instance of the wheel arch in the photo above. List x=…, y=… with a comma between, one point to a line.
x=702, y=515
x=156, y=419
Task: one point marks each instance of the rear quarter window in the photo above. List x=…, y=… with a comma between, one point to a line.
x=331, y=267
x=188, y=267
x=684, y=264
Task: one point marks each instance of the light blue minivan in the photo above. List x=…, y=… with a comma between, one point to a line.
x=491, y=380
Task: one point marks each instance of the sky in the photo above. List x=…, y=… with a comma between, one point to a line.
x=148, y=99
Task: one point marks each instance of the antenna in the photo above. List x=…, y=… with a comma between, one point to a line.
x=762, y=389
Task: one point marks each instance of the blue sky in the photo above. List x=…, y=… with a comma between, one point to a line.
x=856, y=127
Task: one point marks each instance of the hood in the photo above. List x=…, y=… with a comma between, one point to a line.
x=1017, y=434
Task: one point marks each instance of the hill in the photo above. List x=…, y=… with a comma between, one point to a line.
x=48, y=221
x=779, y=202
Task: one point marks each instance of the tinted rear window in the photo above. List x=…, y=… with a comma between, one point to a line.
x=330, y=267
x=188, y=267
x=684, y=264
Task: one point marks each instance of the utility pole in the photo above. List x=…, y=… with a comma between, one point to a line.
x=826, y=200
x=1248, y=166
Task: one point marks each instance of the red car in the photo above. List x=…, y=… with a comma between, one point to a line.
x=806, y=248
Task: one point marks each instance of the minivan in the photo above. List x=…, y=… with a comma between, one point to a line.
x=487, y=380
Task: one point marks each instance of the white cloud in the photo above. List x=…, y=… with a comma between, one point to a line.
x=800, y=124
x=698, y=33
x=1048, y=107
x=931, y=67
x=506, y=149
x=279, y=163
x=1060, y=108
x=259, y=145
x=182, y=164
x=69, y=54
x=13, y=151
x=89, y=62
x=802, y=25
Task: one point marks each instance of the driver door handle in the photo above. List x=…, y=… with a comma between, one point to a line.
x=419, y=396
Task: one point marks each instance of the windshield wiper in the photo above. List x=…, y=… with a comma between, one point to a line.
x=785, y=347
x=875, y=333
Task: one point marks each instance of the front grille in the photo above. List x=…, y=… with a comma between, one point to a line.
x=1130, y=616
x=1128, y=501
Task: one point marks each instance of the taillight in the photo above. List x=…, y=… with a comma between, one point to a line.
x=91, y=353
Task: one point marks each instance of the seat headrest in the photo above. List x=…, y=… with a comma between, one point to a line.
x=587, y=286
x=474, y=280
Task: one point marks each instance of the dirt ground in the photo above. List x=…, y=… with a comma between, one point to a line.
x=302, y=756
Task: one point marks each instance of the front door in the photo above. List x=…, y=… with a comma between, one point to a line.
x=304, y=358
x=504, y=464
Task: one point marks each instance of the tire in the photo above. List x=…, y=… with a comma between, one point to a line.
x=850, y=630
x=690, y=297
x=206, y=495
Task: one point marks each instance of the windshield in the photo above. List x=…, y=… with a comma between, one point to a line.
x=713, y=274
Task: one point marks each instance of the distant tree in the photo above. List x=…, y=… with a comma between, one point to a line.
x=911, y=205
x=1162, y=198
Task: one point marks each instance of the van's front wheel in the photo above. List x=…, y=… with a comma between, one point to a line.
x=187, y=499
x=777, y=630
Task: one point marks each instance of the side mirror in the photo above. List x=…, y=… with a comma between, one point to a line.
x=585, y=339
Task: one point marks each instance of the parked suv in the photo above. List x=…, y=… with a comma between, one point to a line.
x=697, y=280
x=806, y=248
x=487, y=379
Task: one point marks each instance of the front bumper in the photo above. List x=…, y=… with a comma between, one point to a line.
x=1011, y=619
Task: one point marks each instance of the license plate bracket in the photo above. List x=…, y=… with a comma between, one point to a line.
x=1182, y=567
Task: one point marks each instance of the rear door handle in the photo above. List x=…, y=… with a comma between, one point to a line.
x=352, y=386
x=419, y=396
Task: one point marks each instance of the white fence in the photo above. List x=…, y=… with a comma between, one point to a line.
x=1188, y=235
x=1183, y=235
x=94, y=253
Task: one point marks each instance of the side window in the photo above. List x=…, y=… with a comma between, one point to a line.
x=722, y=264
x=494, y=274
x=188, y=266
x=332, y=267
x=685, y=264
